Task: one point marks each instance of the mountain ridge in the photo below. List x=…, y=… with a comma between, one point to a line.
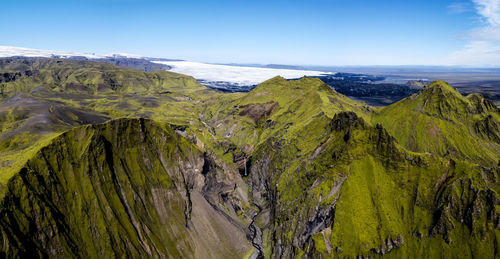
x=106, y=163
x=439, y=119
x=275, y=172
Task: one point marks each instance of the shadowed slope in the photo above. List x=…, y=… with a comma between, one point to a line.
x=124, y=188
x=355, y=192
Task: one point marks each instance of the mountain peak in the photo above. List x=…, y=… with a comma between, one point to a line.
x=279, y=82
x=345, y=120
x=441, y=99
x=439, y=83
x=441, y=87
x=481, y=104
x=276, y=79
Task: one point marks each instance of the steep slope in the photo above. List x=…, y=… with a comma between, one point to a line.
x=27, y=123
x=356, y=193
x=438, y=119
x=128, y=187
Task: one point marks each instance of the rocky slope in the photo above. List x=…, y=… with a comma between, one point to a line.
x=358, y=194
x=124, y=188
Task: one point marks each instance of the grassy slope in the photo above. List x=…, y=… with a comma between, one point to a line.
x=295, y=102
x=440, y=120
x=91, y=77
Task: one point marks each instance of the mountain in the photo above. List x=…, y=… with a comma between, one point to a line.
x=157, y=165
x=438, y=119
x=128, y=187
x=355, y=192
x=83, y=76
x=45, y=97
x=119, y=59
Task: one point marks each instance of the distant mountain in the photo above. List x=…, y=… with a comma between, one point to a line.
x=68, y=75
x=8, y=51
x=285, y=66
x=118, y=59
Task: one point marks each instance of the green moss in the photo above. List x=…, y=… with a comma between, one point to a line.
x=440, y=120
x=94, y=77
x=379, y=190
x=119, y=188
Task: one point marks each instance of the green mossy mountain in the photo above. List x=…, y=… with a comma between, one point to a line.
x=22, y=75
x=128, y=187
x=438, y=119
x=291, y=169
x=367, y=196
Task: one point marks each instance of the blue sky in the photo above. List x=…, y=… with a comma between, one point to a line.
x=313, y=32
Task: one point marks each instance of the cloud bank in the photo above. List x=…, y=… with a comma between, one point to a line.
x=236, y=75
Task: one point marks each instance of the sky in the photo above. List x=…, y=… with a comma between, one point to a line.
x=300, y=32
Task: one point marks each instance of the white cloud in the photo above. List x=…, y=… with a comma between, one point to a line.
x=490, y=33
x=8, y=51
x=459, y=7
x=490, y=10
x=476, y=54
x=484, y=46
